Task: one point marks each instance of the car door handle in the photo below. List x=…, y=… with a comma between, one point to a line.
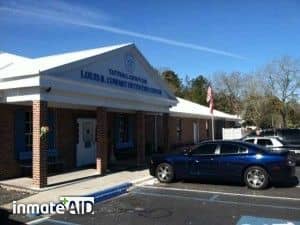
x=211, y=159
x=197, y=161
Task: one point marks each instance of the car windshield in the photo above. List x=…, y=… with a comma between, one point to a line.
x=290, y=135
x=281, y=141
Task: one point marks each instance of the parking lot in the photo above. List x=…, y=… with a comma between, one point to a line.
x=194, y=203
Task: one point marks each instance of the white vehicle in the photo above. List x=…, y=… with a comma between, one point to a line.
x=273, y=143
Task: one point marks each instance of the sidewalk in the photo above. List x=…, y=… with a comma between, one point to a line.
x=85, y=187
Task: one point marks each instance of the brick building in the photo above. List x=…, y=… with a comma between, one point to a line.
x=87, y=107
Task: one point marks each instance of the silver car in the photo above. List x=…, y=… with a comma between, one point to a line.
x=274, y=143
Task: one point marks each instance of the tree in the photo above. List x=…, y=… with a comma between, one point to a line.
x=229, y=88
x=260, y=110
x=259, y=107
x=222, y=102
x=196, y=89
x=173, y=81
x=294, y=114
x=283, y=81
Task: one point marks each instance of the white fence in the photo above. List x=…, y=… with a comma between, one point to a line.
x=232, y=133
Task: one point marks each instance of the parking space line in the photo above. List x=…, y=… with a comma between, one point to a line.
x=37, y=221
x=214, y=201
x=47, y=219
x=61, y=222
x=224, y=193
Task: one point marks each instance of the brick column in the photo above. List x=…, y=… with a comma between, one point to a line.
x=140, y=139
x=39, y=145
x=166, y=132
x=102, y=140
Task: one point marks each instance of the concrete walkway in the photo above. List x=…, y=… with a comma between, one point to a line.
x=54, y=181
x=87, y=186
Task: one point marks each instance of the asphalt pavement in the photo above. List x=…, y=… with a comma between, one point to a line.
x=194, y=203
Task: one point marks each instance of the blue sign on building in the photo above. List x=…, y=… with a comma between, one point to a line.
x=120, y=79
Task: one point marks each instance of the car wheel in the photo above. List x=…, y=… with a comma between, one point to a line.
x=164, y=173
x=256, y=177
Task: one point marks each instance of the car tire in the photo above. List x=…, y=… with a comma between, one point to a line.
x=165, y=173
x=256, y=177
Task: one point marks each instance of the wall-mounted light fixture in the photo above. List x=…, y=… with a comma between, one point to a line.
x=48, y=89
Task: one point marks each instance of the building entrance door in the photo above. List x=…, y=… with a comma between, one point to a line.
x=86, y=147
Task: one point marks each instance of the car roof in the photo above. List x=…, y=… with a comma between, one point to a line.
x=261, y=137
x=243, y=143
x=223, y=142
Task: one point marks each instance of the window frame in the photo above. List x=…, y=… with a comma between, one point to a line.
x=264, y=139
x=28, y=133
x=214, y=154
x=123, y=128
x=179, y=130
x=238, y=153
x=248, y=140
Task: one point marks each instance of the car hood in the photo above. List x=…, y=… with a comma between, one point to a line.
x=292, y=143
x=288, y=147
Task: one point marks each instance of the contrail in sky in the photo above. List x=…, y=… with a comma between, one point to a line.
x=63, y=12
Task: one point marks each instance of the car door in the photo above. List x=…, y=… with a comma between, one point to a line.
x=202, y=162
x=232, y=160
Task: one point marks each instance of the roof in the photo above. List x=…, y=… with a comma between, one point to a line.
x=191, y=109
x=8, y=60
x=24, y=66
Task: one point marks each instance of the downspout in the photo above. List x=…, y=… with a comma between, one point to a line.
x=155, y=133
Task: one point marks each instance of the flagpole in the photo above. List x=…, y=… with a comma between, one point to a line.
x=212, y=127
x=210, y=100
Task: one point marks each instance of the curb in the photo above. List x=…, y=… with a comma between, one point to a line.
x=17, y=188
x=103, y=194
x=116, y=190
x=141, y=180
x=100, y=196
x=111, y=192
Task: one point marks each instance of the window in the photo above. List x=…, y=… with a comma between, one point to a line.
x=229, y=149
x=268, y=133
x=28, y=131
x=250, y=141
x=206, y=149
x=243, y=149
x=123, y=129
x=264, y=142
x=232, y=149
x=179, y=129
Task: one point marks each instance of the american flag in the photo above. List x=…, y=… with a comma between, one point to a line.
x=210, y=99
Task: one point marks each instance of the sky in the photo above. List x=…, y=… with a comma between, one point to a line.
x=189, y=37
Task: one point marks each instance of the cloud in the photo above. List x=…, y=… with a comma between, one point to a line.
x=79, y=15
x=55, y=10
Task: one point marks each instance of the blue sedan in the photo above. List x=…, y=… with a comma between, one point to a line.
x=238, y=161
